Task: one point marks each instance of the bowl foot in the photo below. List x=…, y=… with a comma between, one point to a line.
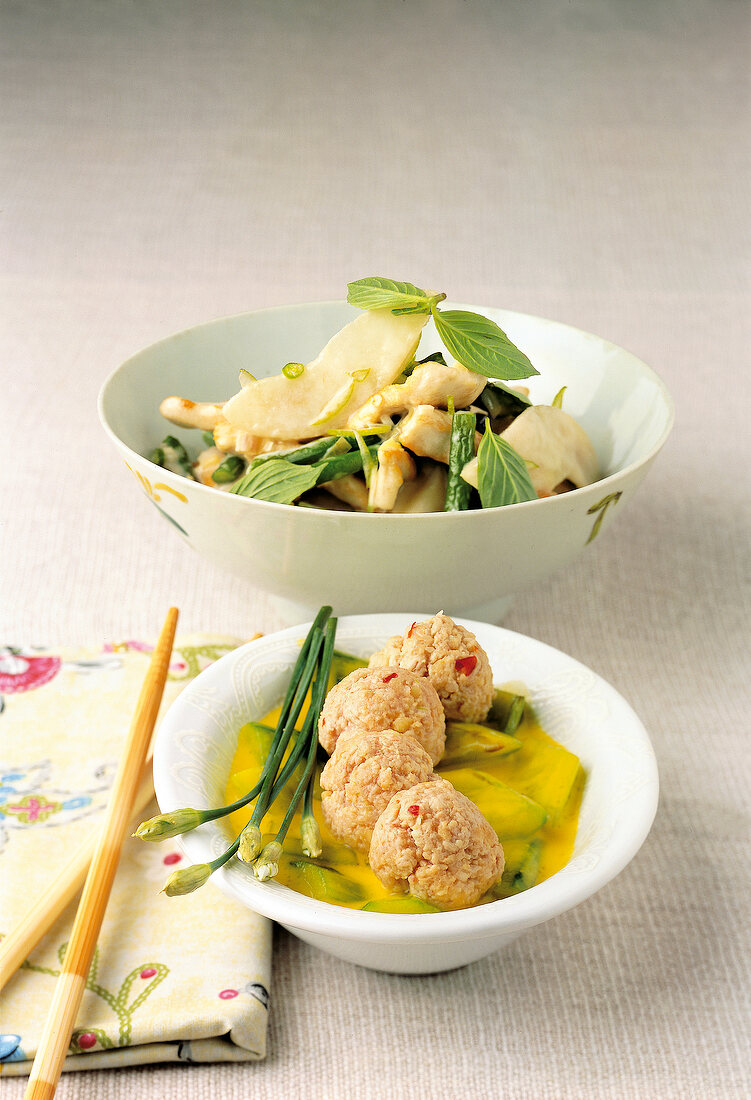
x=291, y=612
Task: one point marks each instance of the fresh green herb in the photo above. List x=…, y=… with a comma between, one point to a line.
x=501, y=400
x=229, y=470
x=377, y=293
x=502, y=476
x=557, y=401
x=293, y=370
x=480, y=345
x=208, y=438
x=475, y=341
x=277, y=480
x=461, y=450
x=246, y=377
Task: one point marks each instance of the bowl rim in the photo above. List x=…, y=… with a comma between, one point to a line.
x=555, y=895
x=373, y=517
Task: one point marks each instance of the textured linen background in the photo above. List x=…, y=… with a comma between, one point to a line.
x=168, y=163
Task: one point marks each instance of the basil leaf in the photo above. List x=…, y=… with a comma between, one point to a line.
x=500, y=400
x=277, y=480
x=502, y=476
x=480, y=345
x=378, y=293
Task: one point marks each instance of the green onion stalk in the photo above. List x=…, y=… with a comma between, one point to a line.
x=164, y=826
x=267, y=864
x=461, y=450
x=250, y=838
x=176, y=822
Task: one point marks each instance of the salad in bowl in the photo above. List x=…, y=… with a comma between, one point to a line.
x=373, y=425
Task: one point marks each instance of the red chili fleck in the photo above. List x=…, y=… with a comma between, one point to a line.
x=149, y=972
x=228, y=994
x=413, y=810
x=323, y=721
x=465, y=664
x=385, y=679
x=409, y=632
x=173, y=857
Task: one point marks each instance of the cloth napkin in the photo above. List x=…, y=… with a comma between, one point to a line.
x=183, y=978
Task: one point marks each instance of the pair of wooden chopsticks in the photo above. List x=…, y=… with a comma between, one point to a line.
x=131, y=791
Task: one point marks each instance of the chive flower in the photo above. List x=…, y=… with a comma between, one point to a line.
x=310, y=835
x=187, y=879
x=164, y=826
x=267, y=864
x=250, y=843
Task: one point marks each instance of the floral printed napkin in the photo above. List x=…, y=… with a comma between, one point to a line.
x=182, y=978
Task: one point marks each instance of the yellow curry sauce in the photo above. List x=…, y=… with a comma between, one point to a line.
x=531, y=796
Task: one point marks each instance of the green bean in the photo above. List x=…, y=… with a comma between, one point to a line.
x=461, y=450
x=342, y=465
x=229, y=470
x=172, y=456
x=307, y=453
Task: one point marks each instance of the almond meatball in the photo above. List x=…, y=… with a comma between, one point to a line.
x=362, y=775
x=433, y=841
x=374, y=699
x=451, y=658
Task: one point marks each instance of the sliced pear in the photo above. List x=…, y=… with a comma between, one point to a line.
x=362, y=358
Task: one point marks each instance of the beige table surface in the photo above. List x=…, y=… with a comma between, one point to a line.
x=166, y=163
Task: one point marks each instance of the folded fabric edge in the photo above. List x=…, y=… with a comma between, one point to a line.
x=220, y=1049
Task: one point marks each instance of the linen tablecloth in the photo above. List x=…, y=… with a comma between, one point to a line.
x=183, y=978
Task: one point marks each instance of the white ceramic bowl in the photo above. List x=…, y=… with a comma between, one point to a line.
x=468, y=563
x=198, y=737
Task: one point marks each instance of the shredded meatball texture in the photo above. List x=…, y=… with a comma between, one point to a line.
x=450, y=657
x=363, y=774
x=433, y=841
x=373, y=699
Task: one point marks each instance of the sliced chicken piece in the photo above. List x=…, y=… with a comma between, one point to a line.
x=395, y=466
x=192, y=414
x=426, y=431
x=235, y=441
x=555, y=447
x=429, y=384
x=350, y=489
x=427, y=493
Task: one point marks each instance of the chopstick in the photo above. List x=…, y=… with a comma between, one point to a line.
x=21, y=940
x=61, y=1018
